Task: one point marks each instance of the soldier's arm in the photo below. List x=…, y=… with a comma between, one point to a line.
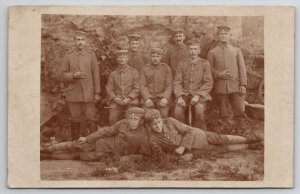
x=135, y=89
x=186, y=131
x=110, y=87
x=211, y=60
x=178, y=81
x=66, y=75
x=207, y=82
x=96, y=76
x=104, y=132
x=242, y=68
x=143, y=86
x=169, y=85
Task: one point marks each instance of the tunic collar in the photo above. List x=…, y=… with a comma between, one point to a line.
x=224, y=45
x=80, y=52
x=155, y=66
x=122, y=68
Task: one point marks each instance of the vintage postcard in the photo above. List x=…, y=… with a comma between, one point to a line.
x=151, y=97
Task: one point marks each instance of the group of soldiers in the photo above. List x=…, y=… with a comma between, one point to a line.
x=183, y=80
x=141, y=90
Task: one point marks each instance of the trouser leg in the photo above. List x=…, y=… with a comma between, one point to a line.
x=64, y=156
x=69, y=146
x=179, y=113
x=199, y=116
x=91, y=156
x=224, y=105
x=218, y=139
x=115, y=113
x=237, y=102
x=75, y=109
x=90, y=114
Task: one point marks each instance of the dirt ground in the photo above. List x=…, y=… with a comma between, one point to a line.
x=242, y=165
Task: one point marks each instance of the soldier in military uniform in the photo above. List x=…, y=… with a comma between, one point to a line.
x=122, y=88
x=136, y=59
x=177, y=52
x=171, y=135
x=229, y=73
x=127, y=136
x=80, y=73
x=156, y=84
x=192, y=85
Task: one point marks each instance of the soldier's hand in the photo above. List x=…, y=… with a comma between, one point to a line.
x=224, y=75
x=242, y=90
x=118, y=101
x=97, y=98
x=79, y=75
x=181, y=102
x=126, y=101
x=195, y=99
x=163, y=102
x=149, y=103
x=180, y=150
x=81, y=140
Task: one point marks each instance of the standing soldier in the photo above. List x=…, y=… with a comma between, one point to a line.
x=156, y=84
x=122, y=88
x=80, y=72
x=192, y=85
x=177, y=52
x=136, y=59
x=229, y=73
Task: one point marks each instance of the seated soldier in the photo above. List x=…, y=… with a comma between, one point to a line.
x=127, y=136
x=192, y=85
x=156, y=84
x=122, y=88
x=172, y=135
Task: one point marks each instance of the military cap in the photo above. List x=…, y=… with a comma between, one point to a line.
x=80, y=33
x=122, y=52
x=156, y=50
x=193, y=42
x=134, y=37
x=151, y=114
x=223, y=28
x=178, y=31
x=136, y=111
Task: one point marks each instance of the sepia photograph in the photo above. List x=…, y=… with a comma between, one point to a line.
x=151, y=97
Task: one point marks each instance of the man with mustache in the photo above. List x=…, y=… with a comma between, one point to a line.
x=122, y=88
x=125, y=137
x=80, y=74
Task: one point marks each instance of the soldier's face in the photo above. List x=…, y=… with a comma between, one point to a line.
x=155, y=58
x=179, y=38
x=194, y=51
x=80, y=42
x=122, y=59
x=157, y=125
x=134, y=45
x=224, y=36
x=134, y=121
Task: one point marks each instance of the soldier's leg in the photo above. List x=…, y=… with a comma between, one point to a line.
x=199, y=116
x=223, y=100
x=91, y=156
x=76, y=112
x=237, y=102
x=179, y=113
x=69, y=146
x=60, y=156
x=115, y=113
x=219, y=139
x=90, y=114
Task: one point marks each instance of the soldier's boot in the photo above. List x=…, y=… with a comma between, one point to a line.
x=63, y=146
x=45, y=156
x=254, y=138
x=75, y=130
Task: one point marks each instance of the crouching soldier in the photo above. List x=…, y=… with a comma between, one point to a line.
x=122, y=88
x=156, y=84
x=192, y=85
x=172, y=135
x=127, y=136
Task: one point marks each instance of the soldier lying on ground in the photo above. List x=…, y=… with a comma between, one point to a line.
x=170, y=135
x=127, y=136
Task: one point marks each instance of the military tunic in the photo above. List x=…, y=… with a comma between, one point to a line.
x=137, y=60
x=122, y=83
x=193, y=78
x=175, y=54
